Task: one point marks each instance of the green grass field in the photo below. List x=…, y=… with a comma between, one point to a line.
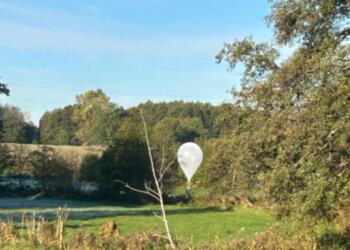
x=186, y=222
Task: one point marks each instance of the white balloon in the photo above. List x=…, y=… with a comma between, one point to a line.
x=190, y=157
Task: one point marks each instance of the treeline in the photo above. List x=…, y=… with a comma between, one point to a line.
x=95, y=120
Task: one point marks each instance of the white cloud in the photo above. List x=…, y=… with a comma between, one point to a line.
x=20, y=36
x=57, y=31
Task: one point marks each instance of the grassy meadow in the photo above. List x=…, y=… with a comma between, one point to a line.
x=196, y=225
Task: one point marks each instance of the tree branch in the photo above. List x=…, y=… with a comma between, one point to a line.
x=161, y=175
x=137, y=190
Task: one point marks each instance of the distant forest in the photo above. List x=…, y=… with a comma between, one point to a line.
x=95, y=120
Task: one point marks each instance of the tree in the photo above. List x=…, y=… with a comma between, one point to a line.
x=4, y=89
x=293, y=129
x=312, y=22
x=125, y=159
x=22, y=130
x=155, y=112
x=50, y=170
x=165, y=139
x=156, y=193
x=58, y=128
x=168, y=132
x=15, y=126
x=192, y=128
x=98, y=119
x=167, y=135
x=90, y=168
x=258, y=58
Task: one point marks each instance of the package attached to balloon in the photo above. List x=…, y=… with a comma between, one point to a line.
x=190, y=157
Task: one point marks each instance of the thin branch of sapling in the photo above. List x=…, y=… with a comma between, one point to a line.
x=149, y=189
x=162, y=173
x=158, y=217
x=138, y=190
x=158, y=193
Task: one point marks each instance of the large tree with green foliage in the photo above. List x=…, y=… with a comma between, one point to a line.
x=98, y=119
x=15, y=127
x=291, y=137
x=58, y=128
x=126, y=159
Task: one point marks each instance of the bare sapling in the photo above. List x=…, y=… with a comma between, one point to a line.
x=158, y=175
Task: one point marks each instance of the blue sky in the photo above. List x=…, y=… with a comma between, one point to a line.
x=135, y=50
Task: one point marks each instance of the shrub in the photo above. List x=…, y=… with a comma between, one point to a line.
x=51, y=171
